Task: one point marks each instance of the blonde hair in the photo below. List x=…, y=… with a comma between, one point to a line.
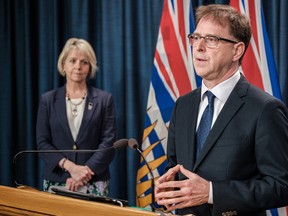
x=83, y=46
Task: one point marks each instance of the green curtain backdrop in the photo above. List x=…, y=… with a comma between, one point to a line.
x=123, y=34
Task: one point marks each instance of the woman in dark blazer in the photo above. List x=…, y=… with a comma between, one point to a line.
x=76, y=116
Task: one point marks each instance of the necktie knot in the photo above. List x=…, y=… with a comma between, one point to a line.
x=211, y=97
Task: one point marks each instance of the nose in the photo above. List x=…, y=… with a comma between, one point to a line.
x=78, y=64
x=202, y=41
x=201, y=45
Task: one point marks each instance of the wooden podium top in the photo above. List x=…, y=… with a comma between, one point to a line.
x=28, y=201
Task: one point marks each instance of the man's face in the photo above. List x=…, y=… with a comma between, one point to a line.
x=213, y=64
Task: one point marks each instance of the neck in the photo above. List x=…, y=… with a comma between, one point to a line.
x=220, y=78
x=76, y=90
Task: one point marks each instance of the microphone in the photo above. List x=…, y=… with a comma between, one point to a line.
x=116, y=145
x=120, y=143
x=134, y=145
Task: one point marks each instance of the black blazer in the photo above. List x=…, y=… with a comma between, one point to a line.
x=97, y=131
x=245, y=154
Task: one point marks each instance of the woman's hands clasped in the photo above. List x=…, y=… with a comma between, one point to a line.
x=80, y=175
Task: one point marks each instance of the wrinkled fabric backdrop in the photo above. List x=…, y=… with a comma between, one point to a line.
x=123, y=34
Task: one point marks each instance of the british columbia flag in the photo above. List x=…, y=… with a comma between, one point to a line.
x=173, y=75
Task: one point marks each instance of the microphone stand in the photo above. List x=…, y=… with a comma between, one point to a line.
x=52, y=151
x=134, y=145
x=118, y=144
x=152, y=180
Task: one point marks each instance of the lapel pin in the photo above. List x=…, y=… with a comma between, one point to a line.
x=90, y=106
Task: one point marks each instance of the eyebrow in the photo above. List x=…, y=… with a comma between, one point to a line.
x=206, y=35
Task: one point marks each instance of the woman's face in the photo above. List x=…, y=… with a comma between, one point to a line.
x=76, y=66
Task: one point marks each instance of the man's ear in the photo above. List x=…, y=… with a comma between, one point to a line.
x=238, y=51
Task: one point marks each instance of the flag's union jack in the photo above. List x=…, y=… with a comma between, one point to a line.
x=258, y=64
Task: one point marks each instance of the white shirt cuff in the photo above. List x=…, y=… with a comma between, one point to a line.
x=210, y=198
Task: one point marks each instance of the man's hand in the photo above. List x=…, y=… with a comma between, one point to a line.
x=181, y=194
x=168, y=176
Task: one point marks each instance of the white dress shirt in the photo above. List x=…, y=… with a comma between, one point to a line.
x=221, y=92
x=75, y=121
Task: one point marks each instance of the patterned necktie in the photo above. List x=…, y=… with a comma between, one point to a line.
x=205, y=123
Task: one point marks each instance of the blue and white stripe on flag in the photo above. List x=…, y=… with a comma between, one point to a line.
x=172, y=76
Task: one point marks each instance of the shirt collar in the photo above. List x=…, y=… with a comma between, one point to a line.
x=223, y=89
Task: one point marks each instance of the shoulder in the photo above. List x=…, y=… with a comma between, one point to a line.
x=96, y=92
x=188, y=103
x=53, y=93
x=253, y=94
x=258, y=96
x=100, y=96
x=260, y=101
x=49, y=94
x=190, y=97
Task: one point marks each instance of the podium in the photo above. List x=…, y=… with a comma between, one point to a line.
x=28, y=201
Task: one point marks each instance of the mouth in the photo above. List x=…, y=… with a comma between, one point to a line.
x=78, y=74
x=200, y=59
x=200, y=62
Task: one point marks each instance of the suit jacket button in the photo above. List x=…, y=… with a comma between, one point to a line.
x=229, y=213
x=74, y=147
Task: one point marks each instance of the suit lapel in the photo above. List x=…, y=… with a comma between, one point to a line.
x=60, y=109
x=90, y=106
x=232, y=105
x=191, y=127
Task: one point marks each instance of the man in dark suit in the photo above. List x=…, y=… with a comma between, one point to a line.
x=239, y=165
